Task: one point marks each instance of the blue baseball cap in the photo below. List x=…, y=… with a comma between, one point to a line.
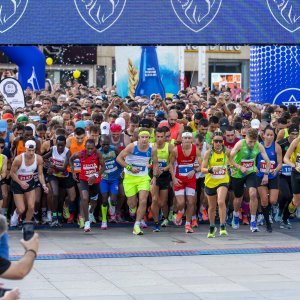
x=80, y=124
x=3, y=126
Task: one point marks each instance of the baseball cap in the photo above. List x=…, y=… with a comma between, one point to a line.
x=80, y=124
x=121, y=122
x=88, y=123
x=33, y=128
x=7, y=116
x=223, y=123
x=3, y=125
x=293, y=128
x=115, y=128
x=30, y=144
x=38, y=103
x=104, y=128
x=159, y=115
x=77, y=116
x=255, y=123
x=22, y=118
x=266, y=117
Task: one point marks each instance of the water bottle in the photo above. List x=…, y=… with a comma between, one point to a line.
x=149, y=78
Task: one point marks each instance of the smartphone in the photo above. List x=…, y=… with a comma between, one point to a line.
x=28, y=231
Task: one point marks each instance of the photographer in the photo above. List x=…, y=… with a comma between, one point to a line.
x=18, y=270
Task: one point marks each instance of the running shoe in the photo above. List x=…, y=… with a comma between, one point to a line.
x=285, y=225
x=200, y=216
x=104, y=225
x=143, y=224
x=253, y=227
x=204, y=215
x=235, y=224
x=119, y=218
x=87, y=226
x=156, y=227
x=71, y=219
x=188, y=228
x=165, y=223
x=66, y=212
x=80, y=222
x=49, y=216
x=170, y=216
x=54, y=223
x=240, y=214
x=245, y=220
x=292, y=208
x=44, y=217
x=137, y=230
x=212, y=232
x=223, y=231
x=14, y=221
x=194, y=223
x=112, y=218
x=260, y=219
x=177, y=219
x=36, y=218
x=278, y=216
x=269, y=227
x=271, y=219
x=92, y=218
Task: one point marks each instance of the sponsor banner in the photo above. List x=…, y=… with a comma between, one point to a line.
x=226, y=80
x=123, y=22
x=12, y=92
x=147, y=70
x=275, y=74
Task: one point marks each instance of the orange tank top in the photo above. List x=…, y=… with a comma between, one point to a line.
x=74, y=147
x=174, y=131
x=21, y=147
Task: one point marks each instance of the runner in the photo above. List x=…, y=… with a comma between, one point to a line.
x=60, y=179
x=285, y=186
x=216, y=182
x=91, y=168
x=160, y=190
x=184, y=178
x=135, y=159
x=243, y=174
x=3, y=172
x=109, y=185
x=22, y=173
x=268, y=192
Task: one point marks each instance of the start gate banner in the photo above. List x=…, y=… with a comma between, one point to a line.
x=148, y=22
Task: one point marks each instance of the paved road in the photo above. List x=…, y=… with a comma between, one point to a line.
x=177, y=269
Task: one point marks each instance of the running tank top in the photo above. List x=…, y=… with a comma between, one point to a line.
x=112, y=168
x=163, y=156
x=119, y=145
x=286, y=133
x=89, y=166
x=295, y=158
x=185, y=164
x=76, y=148
x=196, y=164
x=20, y=147
x=221, y=176
x=246, y=157
x=26, y=173
x=261, y=164
x=139, y=159
x=58, y=160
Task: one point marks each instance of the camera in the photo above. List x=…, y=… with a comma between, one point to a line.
x=28, y=231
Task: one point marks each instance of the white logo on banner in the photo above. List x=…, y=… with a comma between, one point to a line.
x=286, y=13
x=196, y=14
x=288, y=97
x=100, y=14
x=12, y=91
x=11, y=11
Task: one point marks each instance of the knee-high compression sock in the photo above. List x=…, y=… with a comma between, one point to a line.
x=104, y=213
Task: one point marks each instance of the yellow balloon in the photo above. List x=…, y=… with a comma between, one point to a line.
x=76, y=74
x=49, y=61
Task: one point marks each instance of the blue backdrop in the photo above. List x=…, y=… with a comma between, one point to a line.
x=275, y=74
x=150, y=22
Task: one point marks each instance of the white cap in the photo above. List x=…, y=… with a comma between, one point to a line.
x=121, y=122
x=33, y=127
x=255, y=123
x=104, y=128
x=30, y=144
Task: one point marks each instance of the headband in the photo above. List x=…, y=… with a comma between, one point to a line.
x=187, y=134
x=144, y=132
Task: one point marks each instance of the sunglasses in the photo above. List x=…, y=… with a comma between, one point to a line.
x=2, y=147
x=218, y=141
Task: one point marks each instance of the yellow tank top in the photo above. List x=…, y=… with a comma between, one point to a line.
x=295, y=157
x=217, y=178
x=286, y=133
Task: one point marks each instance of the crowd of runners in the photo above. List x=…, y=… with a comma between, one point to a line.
x=85, y=155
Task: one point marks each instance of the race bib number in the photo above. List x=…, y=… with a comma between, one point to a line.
x=142, y=168
x=286, y=170
x=162, y=164
x=263, y=166
x=183, y=170
x=110, y=166
x=248, y=164
x=77, y=165
x=220, y=174
x=25, y=177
